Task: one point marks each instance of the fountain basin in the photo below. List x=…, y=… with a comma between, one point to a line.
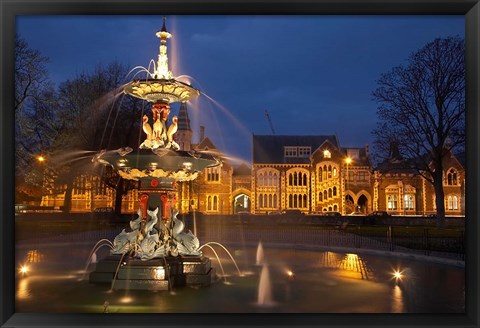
x=160, y=163
x=161, y=90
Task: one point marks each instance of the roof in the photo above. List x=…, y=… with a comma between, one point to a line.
x=363, y=157
x=269, y=149
x=183, y=119
x=242, y=169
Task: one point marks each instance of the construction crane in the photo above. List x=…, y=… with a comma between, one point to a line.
x=269, y=121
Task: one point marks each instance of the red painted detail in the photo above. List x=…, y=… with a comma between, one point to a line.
x=154, y=183
x=165, y=206
x=143, y=206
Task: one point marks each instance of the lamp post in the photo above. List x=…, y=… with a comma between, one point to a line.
x=348, y=161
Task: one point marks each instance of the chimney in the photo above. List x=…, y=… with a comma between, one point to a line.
x=202, y=133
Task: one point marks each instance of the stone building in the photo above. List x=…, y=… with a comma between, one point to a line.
x=309, y=173
x=312, y=174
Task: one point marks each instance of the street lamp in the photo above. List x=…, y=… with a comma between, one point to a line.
x=348, y=161
x=40, y=158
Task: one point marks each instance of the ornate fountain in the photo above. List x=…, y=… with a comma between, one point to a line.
x=156, y=253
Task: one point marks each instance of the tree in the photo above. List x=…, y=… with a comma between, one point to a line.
x=95, y=115
x=422, y=110
x=35, y=103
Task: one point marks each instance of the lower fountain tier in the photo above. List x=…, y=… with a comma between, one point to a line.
x=135, y=274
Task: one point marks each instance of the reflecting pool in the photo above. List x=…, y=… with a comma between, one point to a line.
x=298, y=281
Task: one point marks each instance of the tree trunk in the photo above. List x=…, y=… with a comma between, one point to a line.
x=67, y=204
x=439, y=194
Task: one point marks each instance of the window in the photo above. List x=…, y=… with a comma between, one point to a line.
x=392, y=202
x=320, y=174
x=320, y=197
x=304, y=151
x=327, y=154
x=330, y=193
x=329, y=171
x=452, y=177
x=267, y=178
x=290, y=151
x=452, y=203
x=213, y=174
x=297, y=179
x=409, y=202
x=212, y=203
x=334, y=191
x=363, y=176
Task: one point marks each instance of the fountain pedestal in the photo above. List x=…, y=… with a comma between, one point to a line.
x=155, y=274
x=156, y=253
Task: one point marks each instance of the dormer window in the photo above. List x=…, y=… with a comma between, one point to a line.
x=291, y=152
x=327, y=154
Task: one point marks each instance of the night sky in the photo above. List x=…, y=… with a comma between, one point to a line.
x=314, y=74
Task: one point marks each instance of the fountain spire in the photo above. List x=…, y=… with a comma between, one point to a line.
x=162, y=71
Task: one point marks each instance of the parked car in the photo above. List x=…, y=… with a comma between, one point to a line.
x=332, y=214
x=356, y=214
x=293, y=213
x=379, y=214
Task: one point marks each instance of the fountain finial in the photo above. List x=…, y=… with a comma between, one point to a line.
x=162, y=71
x=164, y=27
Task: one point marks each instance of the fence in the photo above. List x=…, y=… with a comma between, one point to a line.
x=415, y=240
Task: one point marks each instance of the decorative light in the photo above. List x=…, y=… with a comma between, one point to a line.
x=24, y=269
x=348, y=160
x=40, y=158
x=327, y=154
x=397, y=275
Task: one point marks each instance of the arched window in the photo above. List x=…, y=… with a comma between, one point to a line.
x=320, y=197
x=334, y=172
x=335, y=208
x=325, y=172
x=452, y=178
x=269, y=183
x=209, y=203
x=320, y=174
x=270, y=200
x=290, y=179
x=260, y=201
x=295, y=179
x=329, y=192
x=290, y=201
x=452, y=203
x=275, y=179
x=295, y=201
x=215, y=203
x=334, y=191
x=304, y=200
x=275, y=201
x=330, y=208
x=260, y=179
x=300, y=202
x=329, y=171
x=325, y=195
x=304, y=179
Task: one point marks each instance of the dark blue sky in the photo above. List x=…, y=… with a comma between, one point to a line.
x=314, y=74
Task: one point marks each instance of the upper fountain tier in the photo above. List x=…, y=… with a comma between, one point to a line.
x=160, y=86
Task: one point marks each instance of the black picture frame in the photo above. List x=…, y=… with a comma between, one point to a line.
x=11, y=8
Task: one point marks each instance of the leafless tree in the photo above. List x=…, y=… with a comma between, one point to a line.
x=422, y=110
